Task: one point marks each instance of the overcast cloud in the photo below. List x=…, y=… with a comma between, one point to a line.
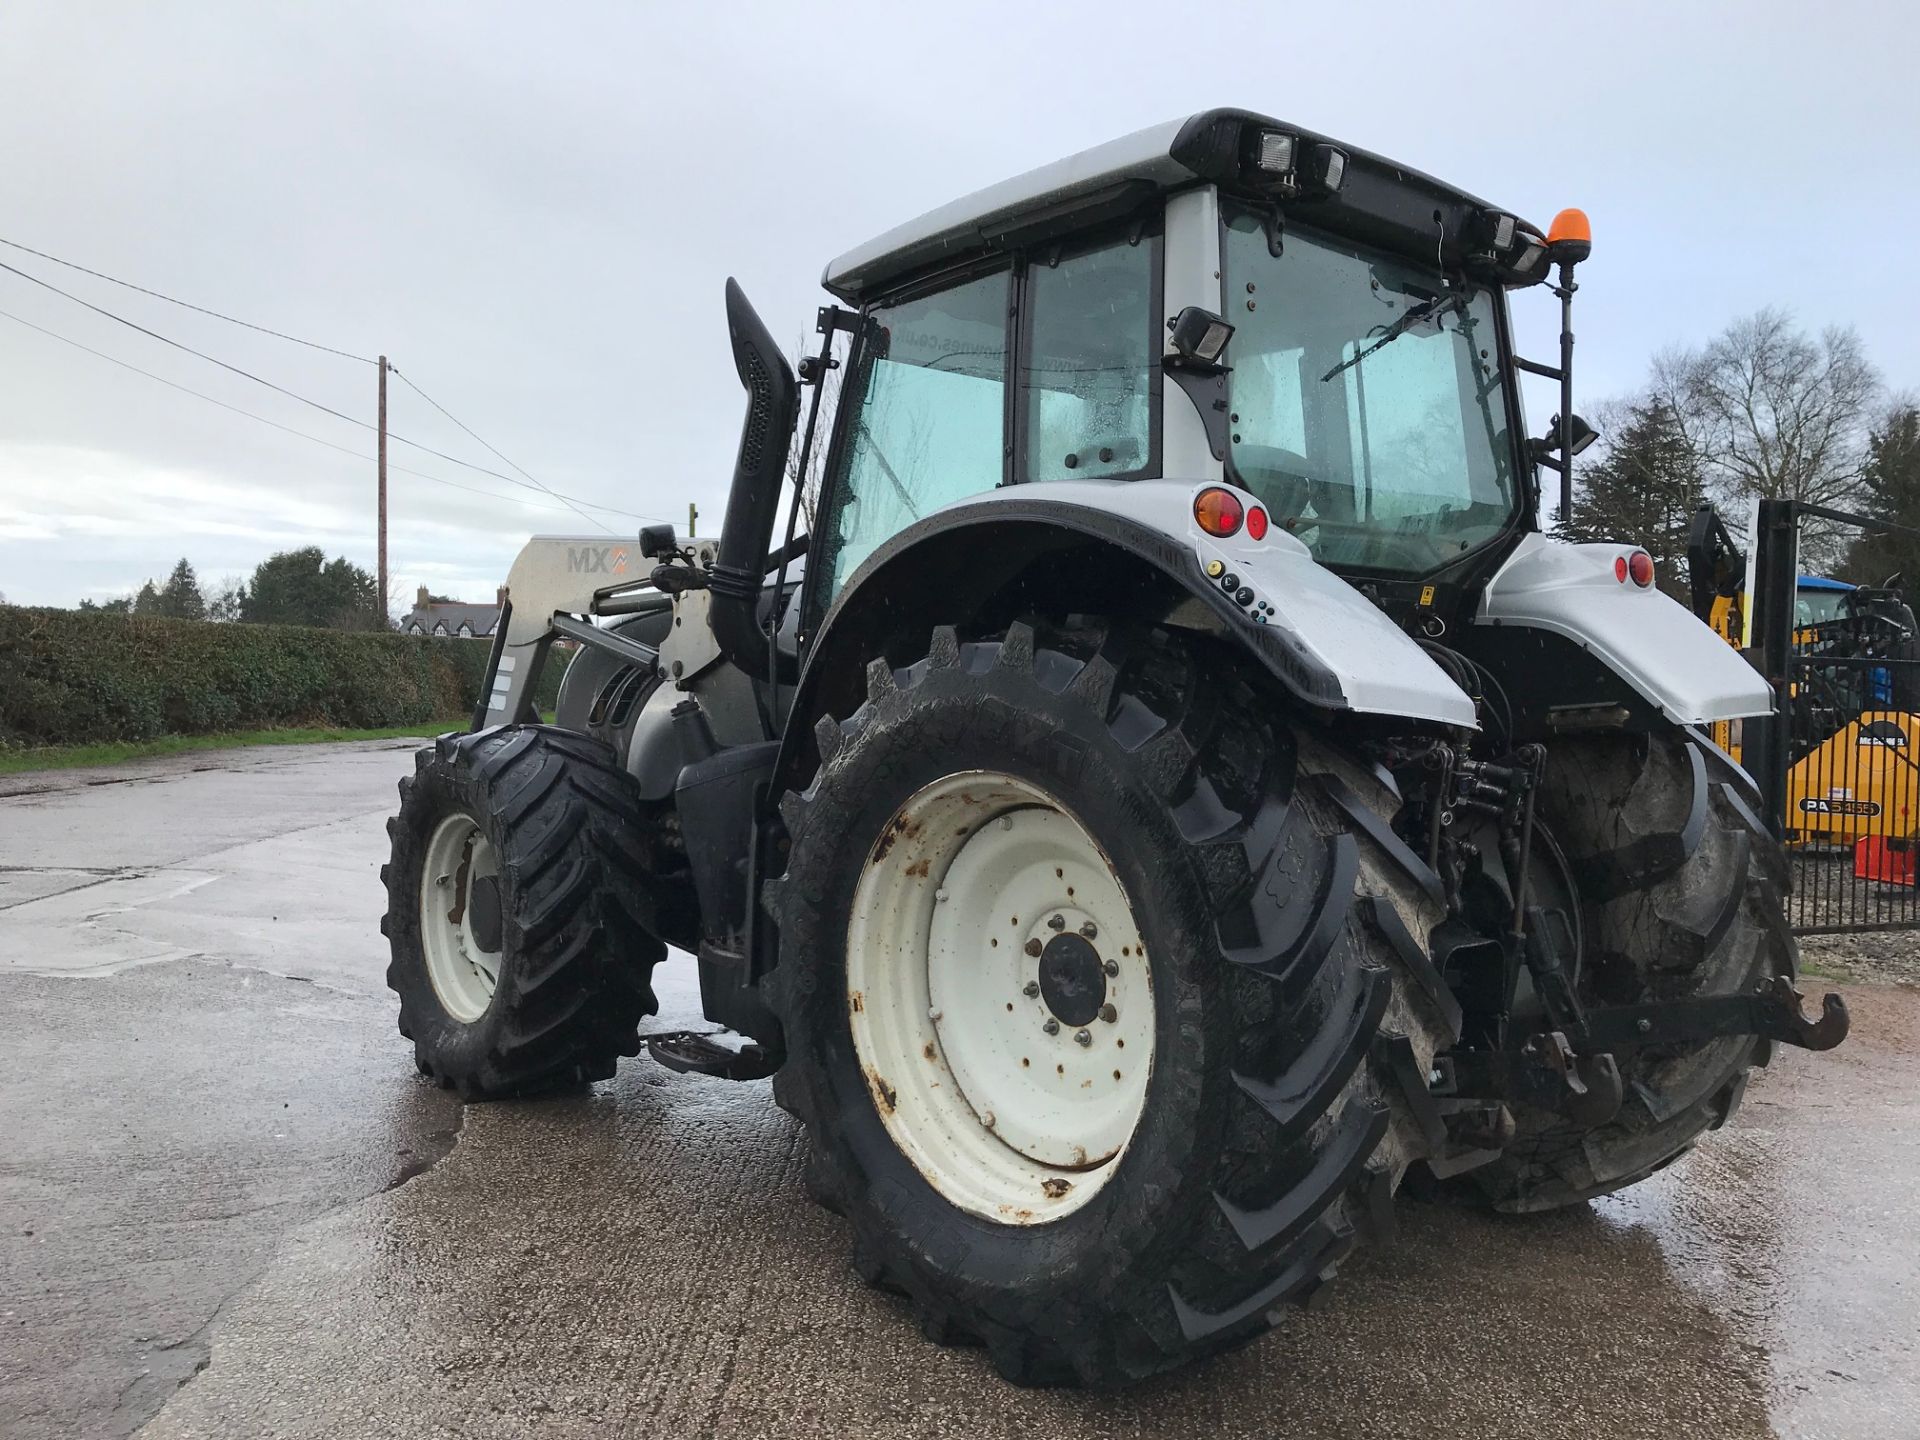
x=532, y=211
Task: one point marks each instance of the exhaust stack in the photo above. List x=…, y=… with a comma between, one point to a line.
x=740, y=565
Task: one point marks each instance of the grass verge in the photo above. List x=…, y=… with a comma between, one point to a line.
x=67, y=757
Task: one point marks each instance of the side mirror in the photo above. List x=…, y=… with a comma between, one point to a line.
x=656, y=541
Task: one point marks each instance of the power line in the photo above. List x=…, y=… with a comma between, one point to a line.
x=185, y=304
x=292, y=394
x=521, y=468
x=317, y=440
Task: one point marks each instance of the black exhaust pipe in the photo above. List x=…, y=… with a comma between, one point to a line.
x=740, y=567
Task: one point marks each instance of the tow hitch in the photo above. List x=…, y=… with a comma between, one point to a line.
x=1548, y=1072
x=1772, y=1011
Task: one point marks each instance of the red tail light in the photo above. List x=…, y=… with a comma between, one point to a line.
x=1218, y=512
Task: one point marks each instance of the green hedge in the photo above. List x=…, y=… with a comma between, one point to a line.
x=70, y=677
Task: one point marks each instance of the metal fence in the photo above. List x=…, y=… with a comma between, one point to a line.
x=1840, y=763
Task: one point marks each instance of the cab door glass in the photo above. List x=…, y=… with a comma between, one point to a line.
x=1088, y=369
x=928, y=418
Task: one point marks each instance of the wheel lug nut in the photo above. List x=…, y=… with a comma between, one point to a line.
x=1112, y=967
x=1109, y=1014
x=1082, y=1037
x=1030, y=989
x=1057, y=922
x=1052, y=1026
x=1033, y=948
x=1087, y=929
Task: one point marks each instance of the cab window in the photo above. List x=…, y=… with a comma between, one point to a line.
x=1087, y=363
x=925, y=417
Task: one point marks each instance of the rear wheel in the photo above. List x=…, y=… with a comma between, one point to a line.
x=1681, y=889
x=516, y=914
x=1088, y=983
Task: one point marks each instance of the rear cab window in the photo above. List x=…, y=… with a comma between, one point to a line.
x=1047, y=370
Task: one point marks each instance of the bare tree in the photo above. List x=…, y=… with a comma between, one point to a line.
x=1774, y=413
x=224, y=604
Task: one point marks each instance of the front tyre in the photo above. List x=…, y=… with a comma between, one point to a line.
x=516, y=911
x=1096, y=1051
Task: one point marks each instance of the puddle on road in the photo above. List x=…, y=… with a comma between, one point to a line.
x=1796, y=1225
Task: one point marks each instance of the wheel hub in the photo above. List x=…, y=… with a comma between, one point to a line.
x=483, y=903
x=460, y=917
x=999, y=997
x=1072, y=981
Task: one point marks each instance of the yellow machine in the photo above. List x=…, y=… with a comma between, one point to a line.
x=1854, y=756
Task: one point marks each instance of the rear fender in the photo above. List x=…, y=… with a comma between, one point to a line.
x=1669, y=657
x=1115, y=547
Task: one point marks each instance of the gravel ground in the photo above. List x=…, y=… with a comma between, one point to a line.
x=1825, y=892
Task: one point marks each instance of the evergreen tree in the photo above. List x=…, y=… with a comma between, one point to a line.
x=180, y=597
x=303, y=587
x=1891, y=480
x=147, y=602
x=1643, y=491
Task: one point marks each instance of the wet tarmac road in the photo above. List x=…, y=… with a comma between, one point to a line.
x=214, y=1153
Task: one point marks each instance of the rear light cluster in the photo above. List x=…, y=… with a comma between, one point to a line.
x=1220, y=513
x=1635, y=565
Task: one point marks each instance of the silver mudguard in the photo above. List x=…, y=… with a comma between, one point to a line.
x=1379, y=669
x=1649, y=640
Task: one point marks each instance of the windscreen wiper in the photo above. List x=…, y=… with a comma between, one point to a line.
x=1453, y=300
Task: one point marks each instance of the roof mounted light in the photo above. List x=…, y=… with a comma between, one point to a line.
x=1288, y=164
x=1273, y=152
x=1570, y=237
x=1530, y=257
x=1328, y=167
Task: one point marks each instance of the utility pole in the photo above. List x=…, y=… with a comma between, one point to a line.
x=693, y=516
x=382, y=566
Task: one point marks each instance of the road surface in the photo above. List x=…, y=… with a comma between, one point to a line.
x=229, y=1207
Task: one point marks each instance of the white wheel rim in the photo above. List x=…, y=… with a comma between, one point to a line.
x=951, y=984
x=463, y=971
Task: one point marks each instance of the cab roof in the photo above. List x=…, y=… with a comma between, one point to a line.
x=1381, y=199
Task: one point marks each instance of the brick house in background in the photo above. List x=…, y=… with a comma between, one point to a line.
x=453, y=618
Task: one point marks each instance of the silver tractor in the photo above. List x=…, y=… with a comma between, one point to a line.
x=1172, y=793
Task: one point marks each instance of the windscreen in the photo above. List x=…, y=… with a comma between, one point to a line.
x=1368, y=409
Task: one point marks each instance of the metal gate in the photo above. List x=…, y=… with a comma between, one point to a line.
x=1840, y=762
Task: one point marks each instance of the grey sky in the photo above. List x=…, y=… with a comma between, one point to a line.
x=532, y=211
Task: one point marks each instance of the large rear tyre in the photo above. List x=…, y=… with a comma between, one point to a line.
x=1089, y=989
x=516, y=917
x=1681, y=887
